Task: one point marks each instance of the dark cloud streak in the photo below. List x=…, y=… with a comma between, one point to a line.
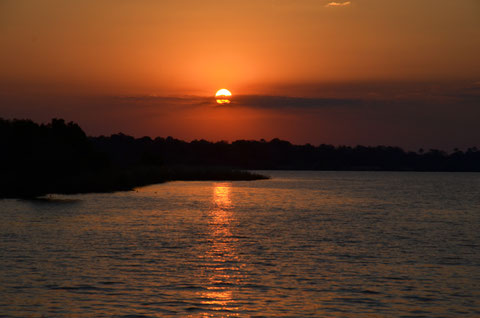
x=286, y=102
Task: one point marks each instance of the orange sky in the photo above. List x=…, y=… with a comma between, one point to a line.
x=110, y=65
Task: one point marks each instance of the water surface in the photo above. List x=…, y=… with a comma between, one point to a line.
x=322, y=244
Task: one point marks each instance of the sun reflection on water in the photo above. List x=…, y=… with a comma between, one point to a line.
x=222, y=257
x=221, y=196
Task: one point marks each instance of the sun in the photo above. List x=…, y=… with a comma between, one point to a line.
x=223, y=96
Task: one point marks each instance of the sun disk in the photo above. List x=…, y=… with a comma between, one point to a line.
x=223, y=96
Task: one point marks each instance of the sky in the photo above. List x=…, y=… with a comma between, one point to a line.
x=371, y=72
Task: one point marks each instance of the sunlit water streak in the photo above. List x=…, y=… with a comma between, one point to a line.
x=323, y=244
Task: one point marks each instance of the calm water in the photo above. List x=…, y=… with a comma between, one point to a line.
x=323, y=244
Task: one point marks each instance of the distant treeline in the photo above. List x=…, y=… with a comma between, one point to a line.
x=59, y=157
x=280, y=155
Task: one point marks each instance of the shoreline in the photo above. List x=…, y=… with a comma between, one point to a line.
x=115, y=180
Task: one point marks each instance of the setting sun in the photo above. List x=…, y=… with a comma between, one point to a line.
x=316, y=185
x=223, y=96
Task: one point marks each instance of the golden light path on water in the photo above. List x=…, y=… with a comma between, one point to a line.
x=222, y=254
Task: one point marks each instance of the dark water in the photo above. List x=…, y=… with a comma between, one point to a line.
x=323, y=244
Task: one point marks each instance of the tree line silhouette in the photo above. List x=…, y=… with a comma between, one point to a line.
x=280, y=155
x=59, y=157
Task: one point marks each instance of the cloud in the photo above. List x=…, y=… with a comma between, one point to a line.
x=249, y=101
x=267, y=102
x=286, y=102
x=185, y=101
x=338, y=4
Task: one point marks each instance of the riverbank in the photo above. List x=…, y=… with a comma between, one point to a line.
x=112, y=180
